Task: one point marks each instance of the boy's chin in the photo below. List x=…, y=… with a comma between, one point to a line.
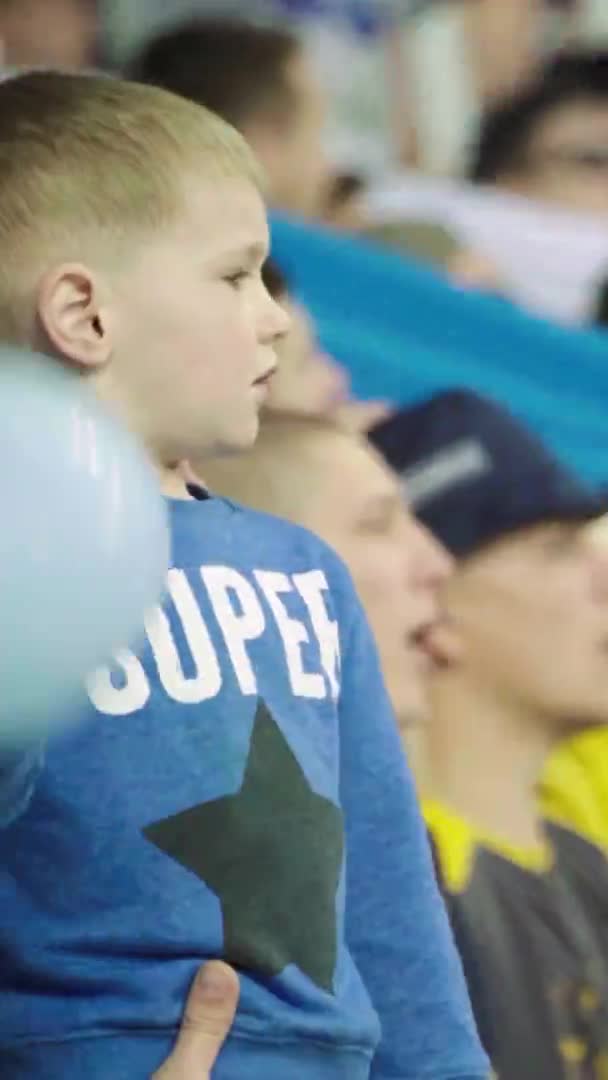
x=239, y=440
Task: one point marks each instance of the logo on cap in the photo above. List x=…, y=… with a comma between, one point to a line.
x=458, y=463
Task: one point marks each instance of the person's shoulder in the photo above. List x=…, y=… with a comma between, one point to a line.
x=272, y=534
x=249, y=525
x=577, y=850
x=574, y=786
x=463, y=849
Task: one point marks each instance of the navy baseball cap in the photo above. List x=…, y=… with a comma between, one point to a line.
x=472, y=473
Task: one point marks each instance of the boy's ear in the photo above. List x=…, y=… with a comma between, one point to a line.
x=73, y=317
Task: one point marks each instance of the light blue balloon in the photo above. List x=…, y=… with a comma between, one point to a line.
x=84, y=546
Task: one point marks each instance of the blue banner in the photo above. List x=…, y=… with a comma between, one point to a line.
x=404, y=333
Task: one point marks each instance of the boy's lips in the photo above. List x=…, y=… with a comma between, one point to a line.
x=261, y=385
x=263, y=380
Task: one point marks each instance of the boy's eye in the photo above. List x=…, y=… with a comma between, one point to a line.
x=237, y=278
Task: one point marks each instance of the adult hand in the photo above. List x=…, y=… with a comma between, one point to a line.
x=207, y=1019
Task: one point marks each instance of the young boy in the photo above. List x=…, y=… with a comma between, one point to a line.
x=235, y=789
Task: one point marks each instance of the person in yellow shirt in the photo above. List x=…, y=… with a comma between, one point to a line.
x=574, y=785
x=521, y=665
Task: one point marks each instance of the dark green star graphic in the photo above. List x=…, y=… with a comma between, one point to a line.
x=272, y=854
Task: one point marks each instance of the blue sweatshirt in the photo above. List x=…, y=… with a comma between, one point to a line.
x=236, y=790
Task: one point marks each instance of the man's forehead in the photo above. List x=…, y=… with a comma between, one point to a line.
x=594, y=529
x=375, y=489
x=528, y=541
x=597, y=531
x=345, y=460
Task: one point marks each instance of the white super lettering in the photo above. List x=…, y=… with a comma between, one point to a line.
x=236, y=626
x=208, y=679
x=294, y=634
x=120, y=700
x=311, y=587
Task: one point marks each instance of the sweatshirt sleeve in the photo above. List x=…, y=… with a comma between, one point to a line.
x=396, y=923
x=19, y=771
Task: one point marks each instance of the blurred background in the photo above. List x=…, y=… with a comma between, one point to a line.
x=406, y=78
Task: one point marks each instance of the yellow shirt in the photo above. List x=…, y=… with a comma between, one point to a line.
x=536, y=974
x=574, y=788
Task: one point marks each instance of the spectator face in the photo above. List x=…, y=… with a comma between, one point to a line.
x=531, y=615
x=291, y=147
x=48, y=33
x=308, y=382
x=397, y=567
x=191, y=327
x=568, y=158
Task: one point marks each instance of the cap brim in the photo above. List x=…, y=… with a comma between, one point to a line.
x=587, y=508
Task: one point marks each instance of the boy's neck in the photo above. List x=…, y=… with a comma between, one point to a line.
x=483, y=759
x=173, y=482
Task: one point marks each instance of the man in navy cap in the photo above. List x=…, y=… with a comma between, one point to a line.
x=521, y=663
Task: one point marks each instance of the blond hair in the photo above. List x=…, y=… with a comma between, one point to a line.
x=277, y=474
x=86, y=160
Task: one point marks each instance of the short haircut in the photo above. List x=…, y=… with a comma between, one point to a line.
x=507, y=130
x=86, y=160
x=232, y=67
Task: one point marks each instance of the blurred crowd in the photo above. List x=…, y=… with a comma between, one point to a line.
x=503, y=701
